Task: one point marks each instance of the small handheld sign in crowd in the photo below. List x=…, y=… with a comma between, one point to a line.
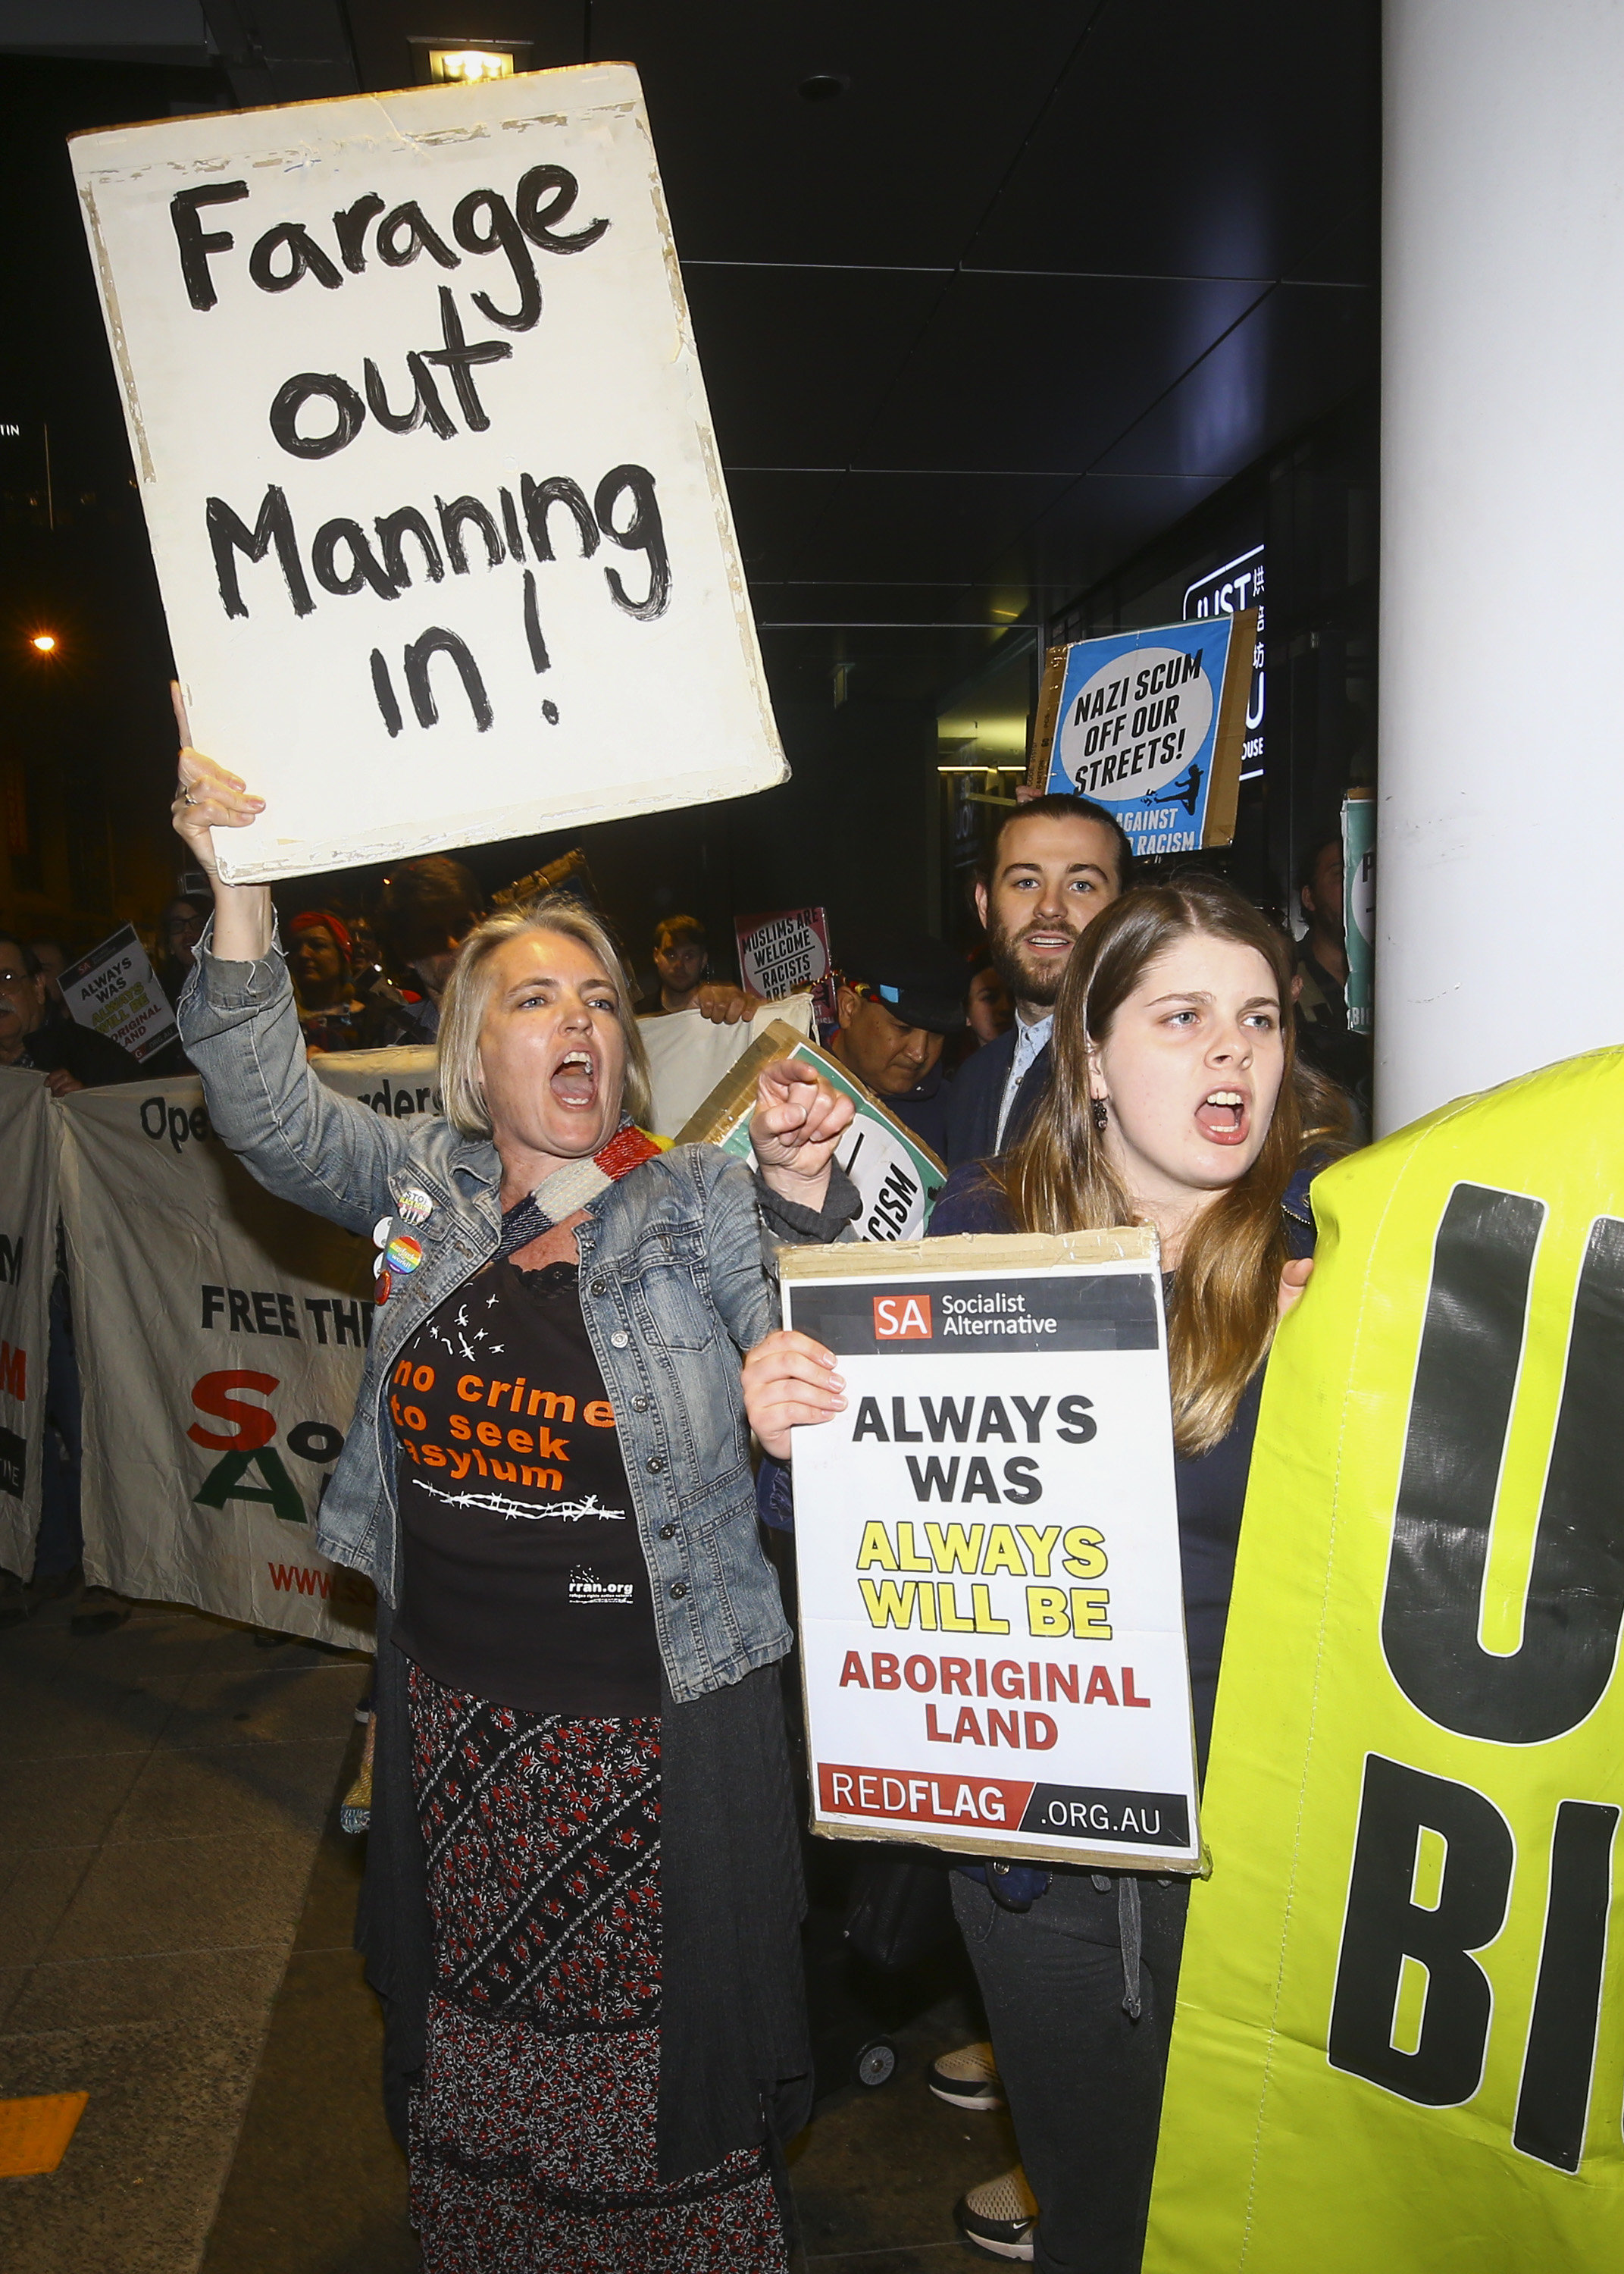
x=788, y=954
x=1151, y=725
x=986, y=1549
x=114, y=991
x=896, y=1177
x=427, y=464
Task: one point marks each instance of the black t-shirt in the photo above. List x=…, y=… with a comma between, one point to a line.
x=523, y=1579
x=61, y=1045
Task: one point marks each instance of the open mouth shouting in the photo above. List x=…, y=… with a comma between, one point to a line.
x=1223, y=1117
x=574, y=1081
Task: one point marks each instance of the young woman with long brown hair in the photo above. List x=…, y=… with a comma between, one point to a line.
x=1176, y=1101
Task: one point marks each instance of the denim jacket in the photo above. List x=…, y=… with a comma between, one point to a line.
x=677, y=1278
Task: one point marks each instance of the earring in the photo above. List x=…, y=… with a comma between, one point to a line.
x=1097, y=1107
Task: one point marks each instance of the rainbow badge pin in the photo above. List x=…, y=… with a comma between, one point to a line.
x=403, y=1253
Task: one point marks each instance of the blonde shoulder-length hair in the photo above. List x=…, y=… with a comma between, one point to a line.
x=467, y=999
x=1223, y=1306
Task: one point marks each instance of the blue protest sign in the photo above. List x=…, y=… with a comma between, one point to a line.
x=1150, y=724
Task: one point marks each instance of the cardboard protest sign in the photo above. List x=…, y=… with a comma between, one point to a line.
x=222, y=1335
x=1400, y=2032
x=896, y=1176
x=427, y=464
x=1151, y=725
x=115, y=990
x=787, y=954
x=992, y=1628
x=689, y=1055
x=27, y=1266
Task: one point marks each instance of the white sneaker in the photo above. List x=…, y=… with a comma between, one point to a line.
x=999, y=2216
x=968, y=2079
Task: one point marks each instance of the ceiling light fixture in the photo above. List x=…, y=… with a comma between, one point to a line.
x=824, y=87
x=467, y=67
x=44, y=643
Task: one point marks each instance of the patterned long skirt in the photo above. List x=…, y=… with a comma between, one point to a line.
x=532, y=2143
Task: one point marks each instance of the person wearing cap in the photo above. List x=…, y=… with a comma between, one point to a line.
x=900, y=996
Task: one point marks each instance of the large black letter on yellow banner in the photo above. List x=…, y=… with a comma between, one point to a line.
x=1466, y=1375
x=1555, y=2095
x=1384, y=1926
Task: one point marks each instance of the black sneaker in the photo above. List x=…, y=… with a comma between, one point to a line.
x=967, y=2078
x=999, y=2216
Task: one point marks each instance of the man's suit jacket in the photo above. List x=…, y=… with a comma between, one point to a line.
x=977, y=1093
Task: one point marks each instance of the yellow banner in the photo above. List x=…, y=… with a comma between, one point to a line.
x=1400, y=2039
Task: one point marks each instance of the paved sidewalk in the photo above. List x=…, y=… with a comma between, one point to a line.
x=175, y=1909
x=162, y=1790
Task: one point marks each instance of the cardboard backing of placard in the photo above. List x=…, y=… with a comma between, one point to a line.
x=1223, y=793
x=1047, y=720
x=980, y=1251
x=733, y=1096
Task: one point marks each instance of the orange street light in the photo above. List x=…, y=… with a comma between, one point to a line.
x=44, y=642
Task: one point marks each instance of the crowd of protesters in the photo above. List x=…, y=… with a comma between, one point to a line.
x=1118, y=1048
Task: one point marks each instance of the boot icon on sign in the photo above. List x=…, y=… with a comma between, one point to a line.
x=1186, y=791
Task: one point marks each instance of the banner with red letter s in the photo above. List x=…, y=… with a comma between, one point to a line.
x=222, y=1335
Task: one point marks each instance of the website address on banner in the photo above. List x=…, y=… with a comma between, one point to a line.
x=1084, y=1813
x=300, y=1579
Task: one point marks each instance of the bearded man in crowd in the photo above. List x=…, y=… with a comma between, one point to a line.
x=1056, y=862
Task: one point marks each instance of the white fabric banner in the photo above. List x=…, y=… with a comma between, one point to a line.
x=688, y=1055
x=28, y=1265
x=221, y=1332
x=221, y=1335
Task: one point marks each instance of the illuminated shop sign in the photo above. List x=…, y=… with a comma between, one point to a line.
x=1224, y=592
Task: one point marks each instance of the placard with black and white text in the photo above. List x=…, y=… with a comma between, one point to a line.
x=427, y=464
x=986, y=1549
x=114, y=992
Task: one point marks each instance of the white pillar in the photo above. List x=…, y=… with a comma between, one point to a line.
x=1500, y=906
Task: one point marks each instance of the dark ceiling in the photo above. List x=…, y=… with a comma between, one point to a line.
x=1021, y=288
